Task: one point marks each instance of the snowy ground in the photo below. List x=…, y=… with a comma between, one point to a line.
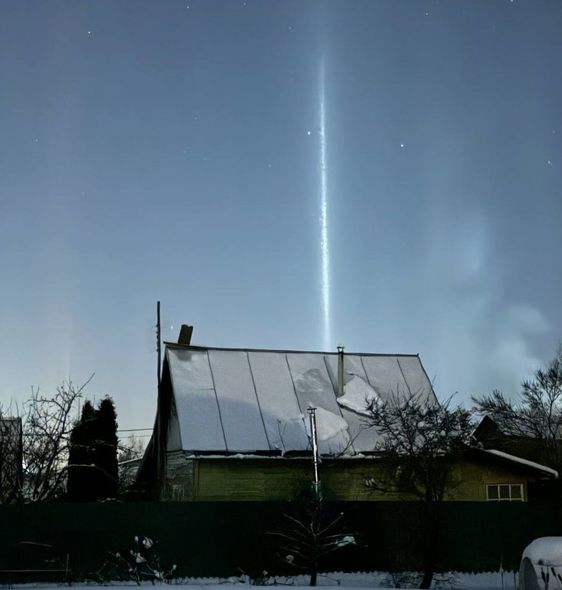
x=335, y=581
x=342, y=581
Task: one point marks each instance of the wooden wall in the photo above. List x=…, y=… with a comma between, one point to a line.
x=280, y=479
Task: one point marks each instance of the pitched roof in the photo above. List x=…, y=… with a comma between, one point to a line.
x=243, y=400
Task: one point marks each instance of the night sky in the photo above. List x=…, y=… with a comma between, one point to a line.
x=172, y=150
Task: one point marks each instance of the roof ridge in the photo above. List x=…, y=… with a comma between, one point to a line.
x=287, y=351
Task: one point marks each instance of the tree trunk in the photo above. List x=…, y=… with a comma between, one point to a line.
x=427, y=578
x=313, y=577
x=430, y=526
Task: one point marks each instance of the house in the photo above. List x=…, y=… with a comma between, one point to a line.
x=232, y=425
x=128, y=470
x=10, y=459
x=488, y=435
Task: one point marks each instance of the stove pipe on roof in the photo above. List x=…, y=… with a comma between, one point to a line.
x=314, y=440
x=340, y=370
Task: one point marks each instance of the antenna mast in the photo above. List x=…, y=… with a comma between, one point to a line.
x=158, y=343
x=160, y=454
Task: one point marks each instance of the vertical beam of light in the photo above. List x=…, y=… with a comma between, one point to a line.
x=324, y=237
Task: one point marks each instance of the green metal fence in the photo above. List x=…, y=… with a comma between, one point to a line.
x=223, y=539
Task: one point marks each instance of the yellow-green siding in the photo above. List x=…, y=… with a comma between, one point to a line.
x=470, y=478
x=211, y=479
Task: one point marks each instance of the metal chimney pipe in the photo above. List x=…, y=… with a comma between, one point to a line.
x=314, y=437
x=340, y=370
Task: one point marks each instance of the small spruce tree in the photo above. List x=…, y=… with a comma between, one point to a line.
x=80, y=456
x=106, y=448
x=92, y=462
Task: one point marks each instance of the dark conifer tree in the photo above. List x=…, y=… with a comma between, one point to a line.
x=92, y=463
x=106, y=449
x=80, y=458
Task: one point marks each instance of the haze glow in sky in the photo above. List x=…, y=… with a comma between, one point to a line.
x=173, y=151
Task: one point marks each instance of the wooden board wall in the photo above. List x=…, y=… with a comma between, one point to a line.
x=212, y=479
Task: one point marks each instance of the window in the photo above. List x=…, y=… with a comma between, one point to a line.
x=505, y=492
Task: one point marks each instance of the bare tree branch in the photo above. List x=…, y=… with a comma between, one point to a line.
x=418, y=443
x=537, y=413
x=46, y=423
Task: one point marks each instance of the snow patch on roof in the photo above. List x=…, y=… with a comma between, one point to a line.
x=358, y=396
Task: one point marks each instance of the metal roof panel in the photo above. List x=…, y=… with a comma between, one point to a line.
x=238, y=400
x=240, y=412
x=282, y=415
x=196, y=402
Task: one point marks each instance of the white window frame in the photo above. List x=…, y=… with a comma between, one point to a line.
x=510, y=498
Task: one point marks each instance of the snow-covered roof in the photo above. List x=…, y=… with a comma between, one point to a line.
x=521, y=461
x=240, y=400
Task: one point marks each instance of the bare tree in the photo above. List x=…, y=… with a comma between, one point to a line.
x=418, y=444
x=130, y=448
x=537, y=413
x=46, y=423
x=130, y=452
x=311, y=533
